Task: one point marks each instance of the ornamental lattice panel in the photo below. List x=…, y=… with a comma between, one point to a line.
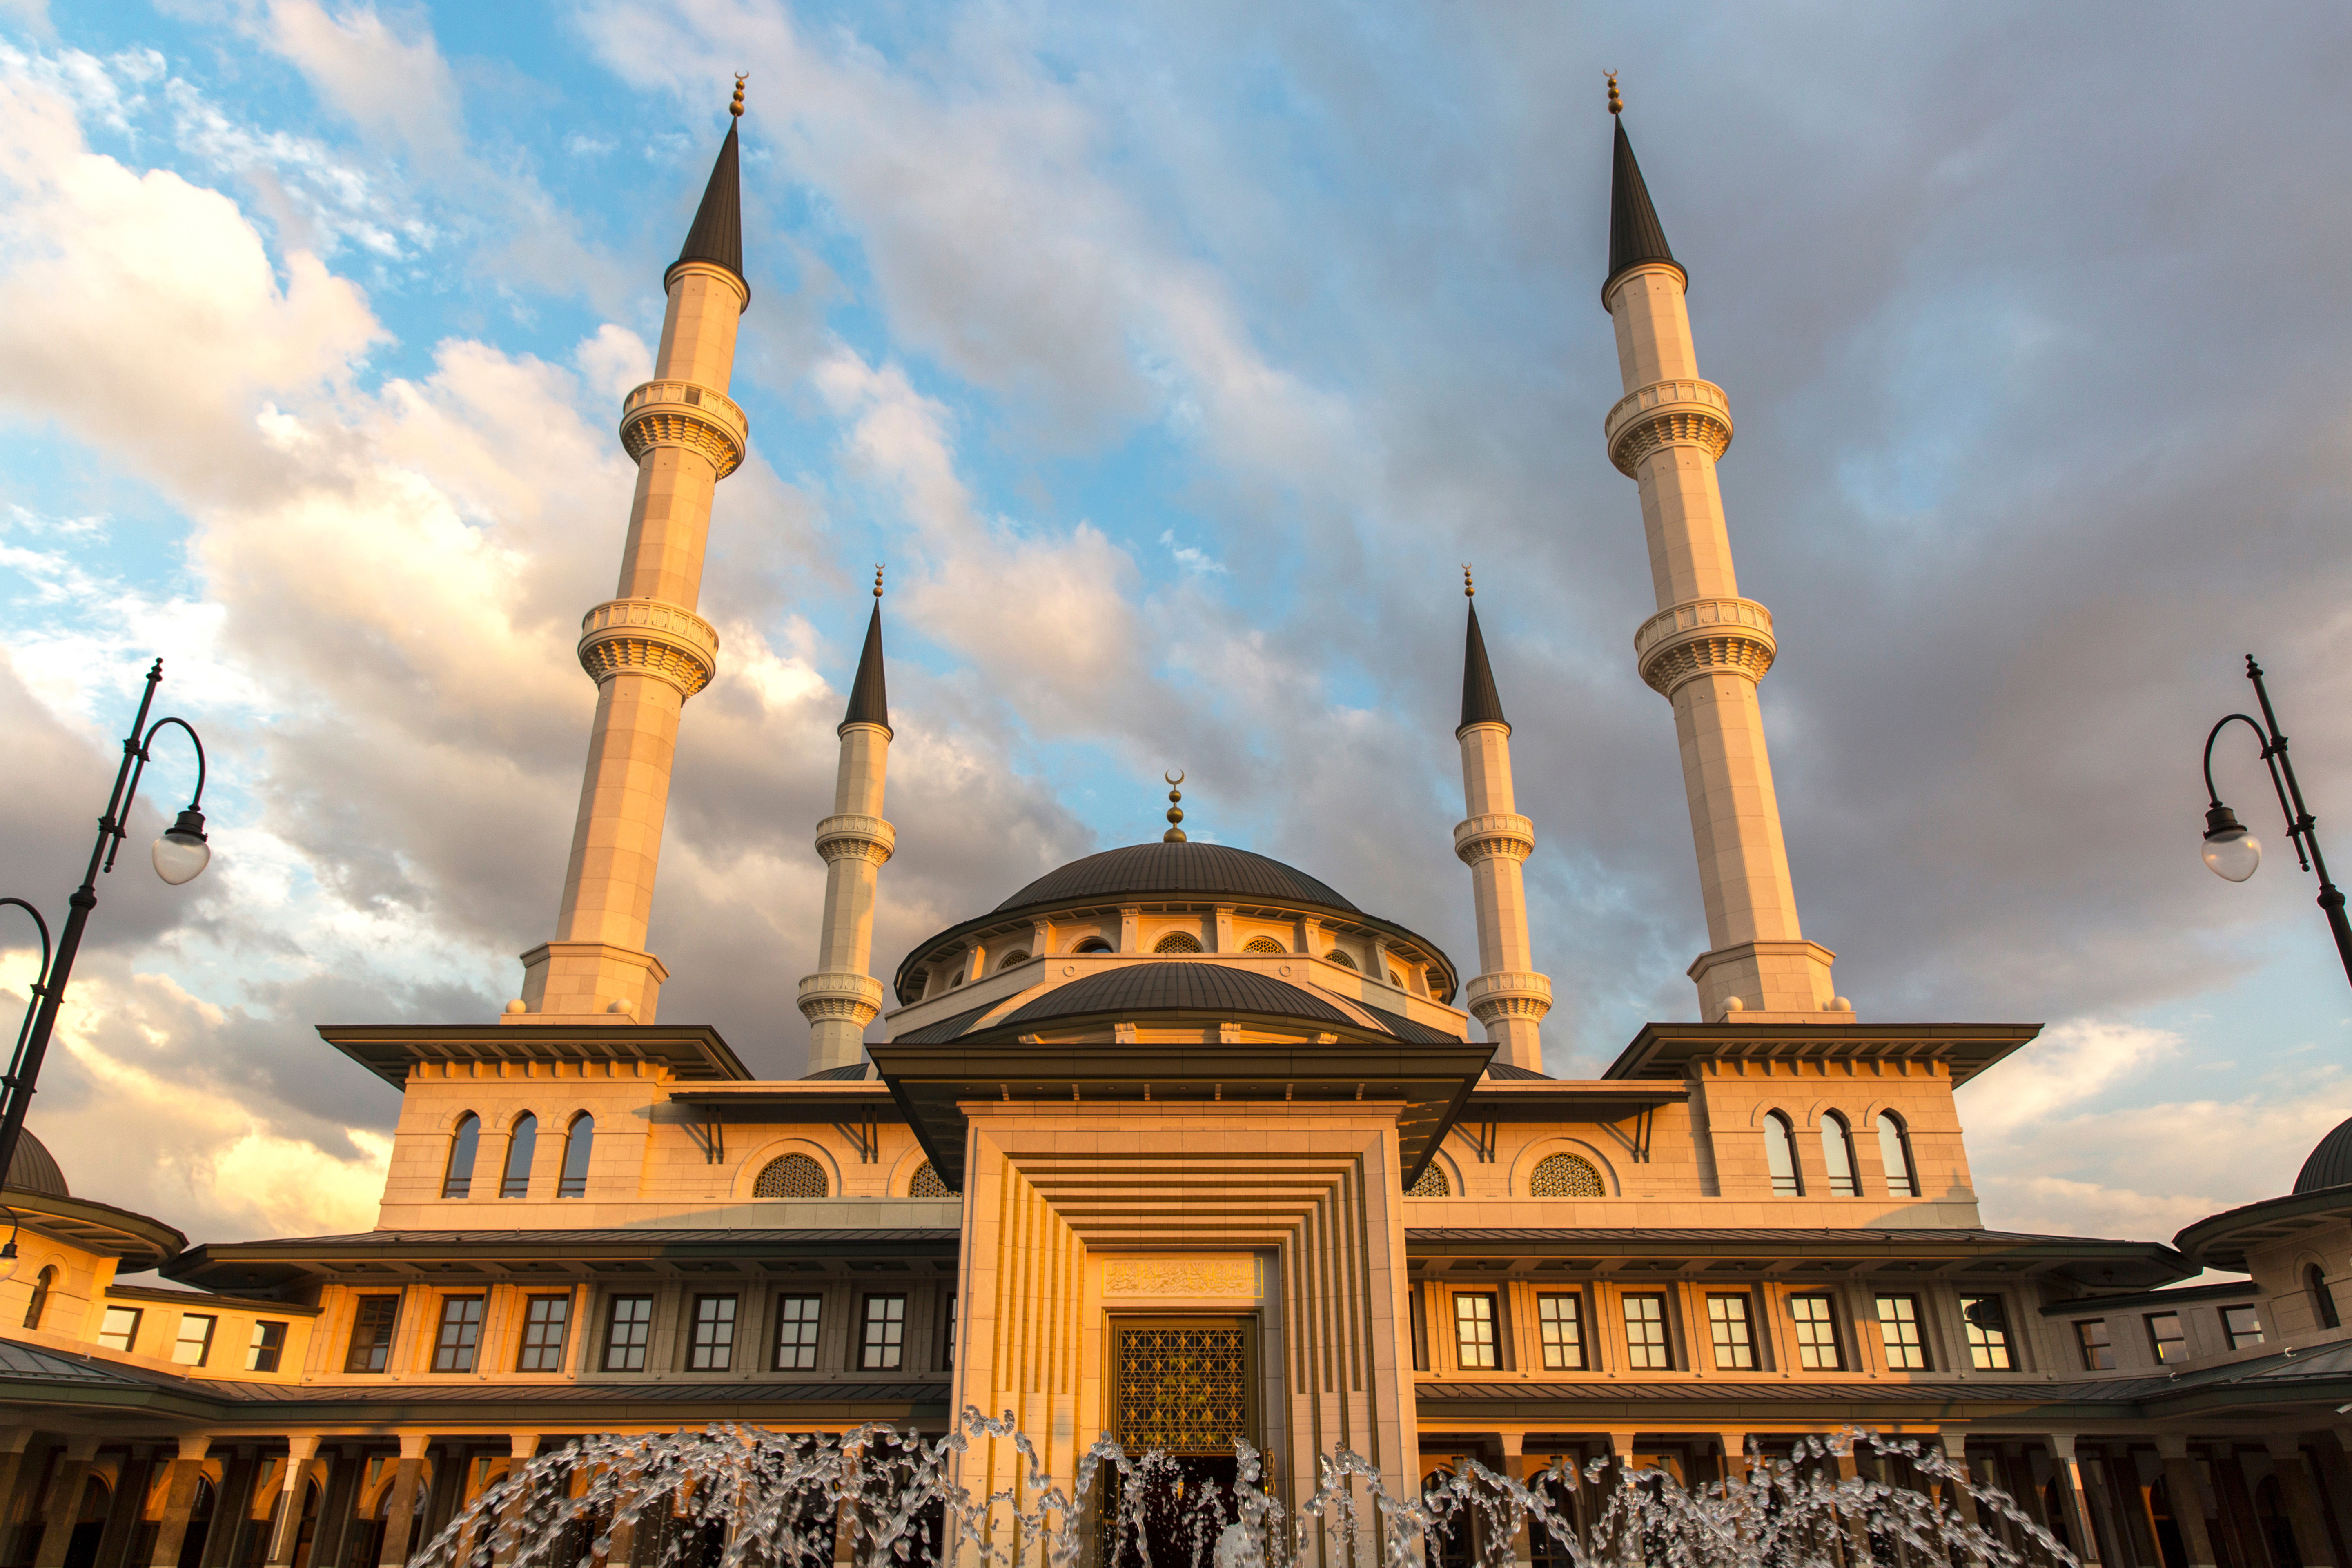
x=1564, y=1177
x=1183, y=1390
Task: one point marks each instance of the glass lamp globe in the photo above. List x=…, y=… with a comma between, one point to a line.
x=181, y=853
x=2232, y=852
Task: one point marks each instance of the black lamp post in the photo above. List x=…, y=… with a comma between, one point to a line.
x=179, y=855
x=2234, y=853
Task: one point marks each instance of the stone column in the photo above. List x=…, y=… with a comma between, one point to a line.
x=286, y=1528
x=2302, y=1499
x=1953, y=1490
x=523, y=1446
x=179, y=1501
x=16, y=1478
x=400, y=1508
x=233, y=1509
x=337, y=1505
x=2187, y=1499
x=129, y=1502
x=1512, y=1444
x=2071, y=1496
x=1734, y=1453
x=62, y=1507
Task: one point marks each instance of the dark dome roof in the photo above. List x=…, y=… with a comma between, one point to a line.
x=1200, y=870
x=32, y=1169
x=2330, y=1164
x=1176, y=987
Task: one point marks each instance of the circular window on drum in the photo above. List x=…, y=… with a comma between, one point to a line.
x=926, y=1183
x=1432, y=1183
x=792, y=1176
x=1564, y=1177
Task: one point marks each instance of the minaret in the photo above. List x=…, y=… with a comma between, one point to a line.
x=646, y=648
x=841, y=998
x=1508, y=996
x=1706, y=647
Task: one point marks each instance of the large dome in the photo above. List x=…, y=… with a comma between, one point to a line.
x=2330, y=1164
x=1200, y=870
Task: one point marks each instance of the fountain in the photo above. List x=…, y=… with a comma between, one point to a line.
x=744, y=1496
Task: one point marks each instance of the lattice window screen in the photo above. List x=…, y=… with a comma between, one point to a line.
x=792, y=1176
x=1564, y=1177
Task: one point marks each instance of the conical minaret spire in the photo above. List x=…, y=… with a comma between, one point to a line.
x=647, y=649
x=1507, y=995
x=841, y=998
x=1706, y=647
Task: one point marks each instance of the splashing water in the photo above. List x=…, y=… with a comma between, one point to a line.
x=744, y=1496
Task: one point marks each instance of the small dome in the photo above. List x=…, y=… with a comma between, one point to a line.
x=32, y=1169
x=2330, y=1164
x=1201, y=870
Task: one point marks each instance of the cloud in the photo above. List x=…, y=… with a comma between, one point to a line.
x=384, y=79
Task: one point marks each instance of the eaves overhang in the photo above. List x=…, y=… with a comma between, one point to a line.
x=2223, y=1241
x=140, y=1242
x=1670, y=1050
x=1805, y=1252
x=691, y=1053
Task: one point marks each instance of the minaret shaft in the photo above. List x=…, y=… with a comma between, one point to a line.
x=841, y=998
x=1507, y=995
x=1704, y=650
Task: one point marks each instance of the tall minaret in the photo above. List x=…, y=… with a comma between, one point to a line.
x=1706, y=647
x=840, y=999
x=1508, y=996
x=647, y=649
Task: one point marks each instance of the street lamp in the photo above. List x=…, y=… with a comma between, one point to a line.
x=2233, y=853
x=178, y=856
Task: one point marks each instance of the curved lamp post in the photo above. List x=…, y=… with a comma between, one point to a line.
x=178, y=856
x=2233, y=853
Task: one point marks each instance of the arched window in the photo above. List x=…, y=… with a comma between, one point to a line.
x=1432, y=1183
x=1265, y=944
x=42, y=1284
x=1340, y=957
x=1178, y=941
x=926, y=1183
x=523, y=1142
x=1837, y=1154
x=1092, y=944
x=1018, y=955
x=1780, y=1156
x=1894, y=1153
x=579, y=1142
x=957, y=981
x=458, y=1179
x=1564, y=1177
x=1396, y=978
x=2315, y=1280
x=790, y=1176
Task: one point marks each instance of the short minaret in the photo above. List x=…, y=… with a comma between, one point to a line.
x=841, y=998
x=1706, y=647
x=646, y=648
x=1508, y=996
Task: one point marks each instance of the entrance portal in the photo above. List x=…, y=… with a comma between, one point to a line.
x=1182, y=1387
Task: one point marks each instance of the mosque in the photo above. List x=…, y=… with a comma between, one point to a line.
x=1175, y=1143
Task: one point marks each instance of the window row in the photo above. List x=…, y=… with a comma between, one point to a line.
x=119, y=1330
x=804, y=1176
x=625, y=1337
x=2242, y=1327
x=1837, y=1156
x=1554, y=1176
x=1733, y=1338
x=522, y=1144
x=1403, y=977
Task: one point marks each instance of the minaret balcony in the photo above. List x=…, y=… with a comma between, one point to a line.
x=1666, y=414
x=855, y=998
x=1511, y=994
x=682, y=414
x=1493, y=835
x=649, y=637
x=854, y=838
x=1704, y=637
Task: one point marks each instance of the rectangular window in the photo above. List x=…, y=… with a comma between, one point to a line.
x=1817, y=1340
x=713, y=1348
x=2098, y=1350
x=195, y=1340
x=1988, y=1324
x=1473, y=1332
x=2243, y=1325
x=1561, y=1321
x=629, y=1325
x=796, y=1318
x=120, y=1329
x=1645, y=1332
x=884, y=1346
x=372, y=1326
x=460, y=1335
x=1728, y=1326
x=546, y=1324
x=2164, y=1332
x=268, y=1343
x=1898, y=1326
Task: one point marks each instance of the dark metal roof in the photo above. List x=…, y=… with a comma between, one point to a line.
x=1635, y=237
x=1405, y=1029
x=32, y=1363
x=2223, y=1241
x=1179, y=987
x=32, y=1169
x=1667, y=1050
x=1481, y=703
x=2330, y=1164
x=946, y=1029
x=138, y=1241
x=869, y=698
x=855, y=1072
x=1513, y=1070
x=717, y=236
x=1143, y=870
x=692, y=1052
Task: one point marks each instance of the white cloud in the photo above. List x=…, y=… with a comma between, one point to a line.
x=382, y=79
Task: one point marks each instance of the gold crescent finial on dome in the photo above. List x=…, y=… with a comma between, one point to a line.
x=1469, y=590
x=1175, y=778
x=1616, y=104
x=1174, y=834
x=878, y=579
x=736, y=108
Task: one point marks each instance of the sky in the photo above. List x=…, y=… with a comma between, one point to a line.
x=1174, y=357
